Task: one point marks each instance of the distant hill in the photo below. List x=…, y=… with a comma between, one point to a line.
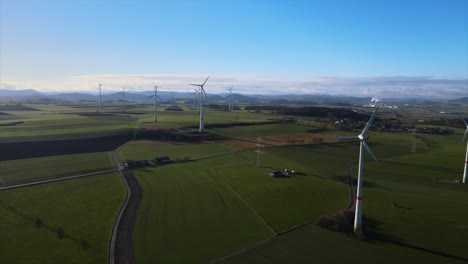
x=31, y=95
x=13, y=94
x=459, y=100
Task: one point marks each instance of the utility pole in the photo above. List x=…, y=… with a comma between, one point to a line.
x=260, y=152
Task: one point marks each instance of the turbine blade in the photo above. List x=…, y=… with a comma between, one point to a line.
x=464, y=121
x=199, y=85
x=206, y=80
x=151, y=96
x=369, y=123
x=369, y=150
x=204, y=92
x=196, y=90
x=464, y=136
x=158, y=97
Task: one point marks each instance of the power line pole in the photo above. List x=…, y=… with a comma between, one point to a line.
x=260, y=152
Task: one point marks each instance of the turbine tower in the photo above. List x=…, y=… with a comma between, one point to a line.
x=155, y=101
x=195, y=97
x=466, y=157
x=363, y=145
x=100, y=97
x=122, y=100
x=202, y=92
x=230, y=99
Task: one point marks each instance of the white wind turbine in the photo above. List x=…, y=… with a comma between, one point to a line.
x=122, y=100
x=466, y=157
x=230, y=99
x=155, y=101
x=195, y=97
x=100, y=98
x=202, y=92
x=363, y=145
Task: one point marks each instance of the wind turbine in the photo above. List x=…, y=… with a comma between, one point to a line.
x=100, y=97
x=195, y=96
x=230, y=99
x=363, y=145
x=466, y=158
x=123, y=94
x=155, y=101
x=202, y=92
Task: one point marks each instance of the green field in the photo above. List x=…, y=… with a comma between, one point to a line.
x=54, y=122
x=189, y=215
x=85, y=209
x=214, y=200
x=401, y=178
x=26, y=170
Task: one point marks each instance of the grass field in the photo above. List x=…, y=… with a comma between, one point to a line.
x=215, y=200
x=188, y=215
x=85, y=209
x=412, y=216
x=401, y=178
x=26, y=170
x=316, y=245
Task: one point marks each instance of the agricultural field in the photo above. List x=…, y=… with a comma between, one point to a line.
x=214, y=199
x=411, y=214
x=62, y=222
x=404, y=197
x=26, y=170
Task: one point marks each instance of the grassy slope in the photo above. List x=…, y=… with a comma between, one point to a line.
x=24, y=170
x=85, y=209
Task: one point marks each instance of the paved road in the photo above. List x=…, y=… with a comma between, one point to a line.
x=121, y=245
x=55, y=180
x=124, y=244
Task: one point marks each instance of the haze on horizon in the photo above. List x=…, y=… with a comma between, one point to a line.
x=359, y=48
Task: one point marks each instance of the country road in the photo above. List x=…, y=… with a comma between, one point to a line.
x=54, y=180
x=121, y=244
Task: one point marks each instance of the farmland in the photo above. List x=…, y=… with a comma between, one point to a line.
x=403, y=199
x=214, y=200
x=25, y=170
x=84, y=209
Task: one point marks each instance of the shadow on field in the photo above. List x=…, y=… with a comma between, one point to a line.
x=374, y=234
x=59, y=231
x=33, y=149
x=444, y=169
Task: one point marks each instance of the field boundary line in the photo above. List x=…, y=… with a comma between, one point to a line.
x=55, y=180
x=262, y=242
x=272, y=230
x=115, y=226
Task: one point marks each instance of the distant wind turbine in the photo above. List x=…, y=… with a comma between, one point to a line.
x=155, y=101
x=100, y=98
x=363, y=145
x=122, y=101
x=201, y=128
x=466, y=157
x=230, y=99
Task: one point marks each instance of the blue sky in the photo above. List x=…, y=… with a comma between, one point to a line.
x=52, y=44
